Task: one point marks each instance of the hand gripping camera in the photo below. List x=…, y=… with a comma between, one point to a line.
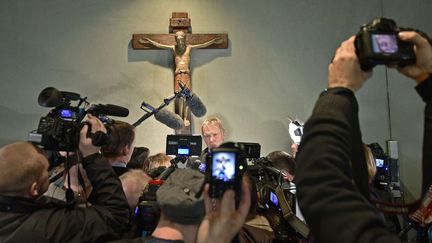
x=377, y=43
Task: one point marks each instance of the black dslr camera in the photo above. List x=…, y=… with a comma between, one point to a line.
x=377, y=43
x=60, y=129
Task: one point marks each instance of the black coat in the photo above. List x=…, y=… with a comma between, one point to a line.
x=51, y=220
x=336, y=209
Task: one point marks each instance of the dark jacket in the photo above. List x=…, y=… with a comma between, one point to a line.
x=334, y=208
x=51, y=220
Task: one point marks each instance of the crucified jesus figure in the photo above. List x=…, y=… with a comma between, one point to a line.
x=181, y=52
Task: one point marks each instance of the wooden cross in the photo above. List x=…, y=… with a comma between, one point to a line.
x=180, y=41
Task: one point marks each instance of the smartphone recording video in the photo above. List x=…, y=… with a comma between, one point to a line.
x=223, y=171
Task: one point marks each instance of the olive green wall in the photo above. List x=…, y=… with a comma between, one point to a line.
x=275, y=66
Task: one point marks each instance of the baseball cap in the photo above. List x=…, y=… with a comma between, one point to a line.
x=180, y=197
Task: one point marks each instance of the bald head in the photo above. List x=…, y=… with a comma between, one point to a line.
x=21, y=165
x=134, y=183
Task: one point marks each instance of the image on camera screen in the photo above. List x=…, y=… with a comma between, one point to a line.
x=379, y=163
x=223, y=167
x=384, y=43
x=66, y=114
x=183, y=151
x=274, y=199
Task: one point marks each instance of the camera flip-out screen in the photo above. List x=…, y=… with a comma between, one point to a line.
x=379, y=163
x=183, y=145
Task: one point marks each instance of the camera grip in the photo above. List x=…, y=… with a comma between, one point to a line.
x=98, y=138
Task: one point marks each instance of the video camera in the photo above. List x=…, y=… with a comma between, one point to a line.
x=183, y=145
x=382, y=161
x=225, y=168
x=60, y=129
x=378, y=43
x=277, y=201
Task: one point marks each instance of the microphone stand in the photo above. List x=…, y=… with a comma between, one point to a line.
x=150, y=110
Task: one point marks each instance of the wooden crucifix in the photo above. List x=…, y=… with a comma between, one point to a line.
x=181, y=41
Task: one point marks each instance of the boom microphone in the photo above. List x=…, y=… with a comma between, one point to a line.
x=193, y=101
x=196, y=106
x=109, y=110
x=169, y=118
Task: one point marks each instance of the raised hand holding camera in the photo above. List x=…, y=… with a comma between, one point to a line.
x=423, y=51
x=87, y=145
x=344, y=71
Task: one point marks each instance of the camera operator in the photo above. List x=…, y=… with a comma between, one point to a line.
x=29, y=217
x=139, y=155
x=284, y=162
x=134, y=182
x=119, y=149
x=336, y=209
x=156, y=164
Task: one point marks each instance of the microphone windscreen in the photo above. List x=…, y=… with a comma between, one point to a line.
x=50, y=97
x=111, y=110
x=196, y=106
x=170, y=119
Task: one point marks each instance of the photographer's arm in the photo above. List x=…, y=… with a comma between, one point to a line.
x=222, y=223
x=107, y=197
x=422, y=73
x=333, y=207
x=106, y=218
x=344, y=70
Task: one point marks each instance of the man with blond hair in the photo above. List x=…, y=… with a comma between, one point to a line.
x=213, y=132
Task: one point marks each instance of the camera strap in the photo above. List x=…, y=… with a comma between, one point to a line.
x=289, y=215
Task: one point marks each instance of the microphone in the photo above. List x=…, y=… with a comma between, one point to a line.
x=70, y=95
x=169, y=118
x=193, y=101
x=196, y=106
x=108, y=110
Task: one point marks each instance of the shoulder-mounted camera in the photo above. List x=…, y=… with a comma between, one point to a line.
x=60, y=129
